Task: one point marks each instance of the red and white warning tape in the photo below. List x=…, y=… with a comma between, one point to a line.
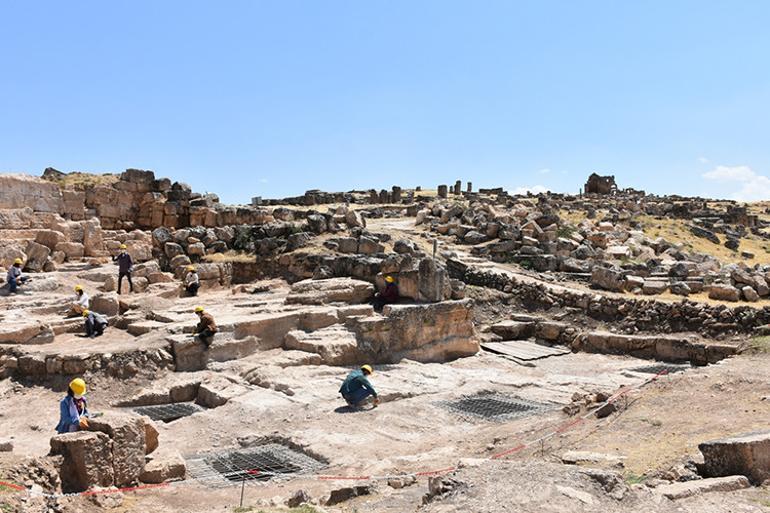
x=322, y=477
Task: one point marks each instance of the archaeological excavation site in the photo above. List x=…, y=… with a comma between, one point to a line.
x=434, y=348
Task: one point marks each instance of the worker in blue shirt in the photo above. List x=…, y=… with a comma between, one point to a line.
x=356, y=388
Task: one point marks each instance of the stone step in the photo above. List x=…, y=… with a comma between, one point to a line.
x=687, y=489
x=335, y=345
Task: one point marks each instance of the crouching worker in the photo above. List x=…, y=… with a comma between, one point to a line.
x=73, y=411
x=14, y=276
x=80, y=303
x=191, y=281
x=356, y=388
x=94, y=323
x=206, y=328
x=388, y=296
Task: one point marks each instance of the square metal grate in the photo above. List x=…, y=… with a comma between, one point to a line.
x=661, y=368
x=260, y=463
x=495, y=407
x=169, y=412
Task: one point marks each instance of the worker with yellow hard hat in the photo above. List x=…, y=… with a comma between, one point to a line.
x=14, y=276
x=80, y=303
x=191, y=281
x=206, y=328
x=125, y=267
x=356, y=389
x=388, y=295
x=94, y=323
x=73, y=410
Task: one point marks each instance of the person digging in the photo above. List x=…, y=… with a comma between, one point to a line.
x=15, y=277
x=206, y=327
x=94, y=324
x=357, y=390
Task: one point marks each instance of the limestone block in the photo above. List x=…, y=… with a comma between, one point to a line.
x=128, y=436
x=87, y=460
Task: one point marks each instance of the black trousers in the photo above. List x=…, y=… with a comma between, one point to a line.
x=192, y=289
x=94, y=329
x=120, y=281
x=206, y=336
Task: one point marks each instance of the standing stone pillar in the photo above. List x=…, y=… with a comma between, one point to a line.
x=396, y=194
x=442, y=191
x=458, y=187
x=470, y=187
x=418, y=189
x=384, y=197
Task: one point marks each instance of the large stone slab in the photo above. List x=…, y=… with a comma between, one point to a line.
x=747, y=455
x=434, y=332
x=19, y=191
x=687, y=489
x=331, y=290
x=335, y=345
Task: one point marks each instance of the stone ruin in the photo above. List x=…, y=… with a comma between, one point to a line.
x=543, y=306
x=600, y=184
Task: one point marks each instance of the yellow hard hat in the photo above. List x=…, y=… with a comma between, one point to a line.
x=86, y=312
x=78, y=386
x=78, y=288
x=18, y=261
x=389, y=279
x=198, y=309
x=367, y=368
x=190, y=267
x=123, y=246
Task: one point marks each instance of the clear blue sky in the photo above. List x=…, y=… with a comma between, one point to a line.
x=248, y=98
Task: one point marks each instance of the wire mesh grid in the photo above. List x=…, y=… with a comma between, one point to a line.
x=659, y=368
x=169, y=412
x=495, y=407
x=262, y=463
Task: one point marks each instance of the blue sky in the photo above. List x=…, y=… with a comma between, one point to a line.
x=248, y=98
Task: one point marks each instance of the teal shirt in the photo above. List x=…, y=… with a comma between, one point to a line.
x=355, y=381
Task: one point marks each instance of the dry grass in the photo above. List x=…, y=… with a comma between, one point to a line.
x=78, y=180
x=676, y=232
x=230, y=256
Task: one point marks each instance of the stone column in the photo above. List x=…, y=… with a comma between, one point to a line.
x=470, y=187
x=442, y=191
x=458, y=187
x=396, y=194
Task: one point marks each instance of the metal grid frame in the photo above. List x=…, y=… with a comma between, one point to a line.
x=495, y=407
x=262, y=463
x=657, y=368
x=169, y=412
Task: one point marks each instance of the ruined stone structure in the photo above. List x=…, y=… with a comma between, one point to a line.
x=600, y=184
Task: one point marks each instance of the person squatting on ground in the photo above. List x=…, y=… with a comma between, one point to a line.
x=356, y=388
x=206, y=327
x=191, y=281
x=388, y=296
x=14, y=276
x=80, y=303
x=125, y=267
x=73, y=410
x=94, y=323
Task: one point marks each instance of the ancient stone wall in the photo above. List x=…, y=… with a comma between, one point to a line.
x=632, y=313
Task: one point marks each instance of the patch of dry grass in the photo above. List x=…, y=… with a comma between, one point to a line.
x=78, y=180
x=230, y=256
x=676, y=232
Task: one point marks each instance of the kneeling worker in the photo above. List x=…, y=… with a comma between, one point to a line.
x=81, y=301
x=356, y=388
x=14, y=276
x=388, y=296
x=94, y=323
x=73, y=411
x=191, y=281
x=206, y=328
